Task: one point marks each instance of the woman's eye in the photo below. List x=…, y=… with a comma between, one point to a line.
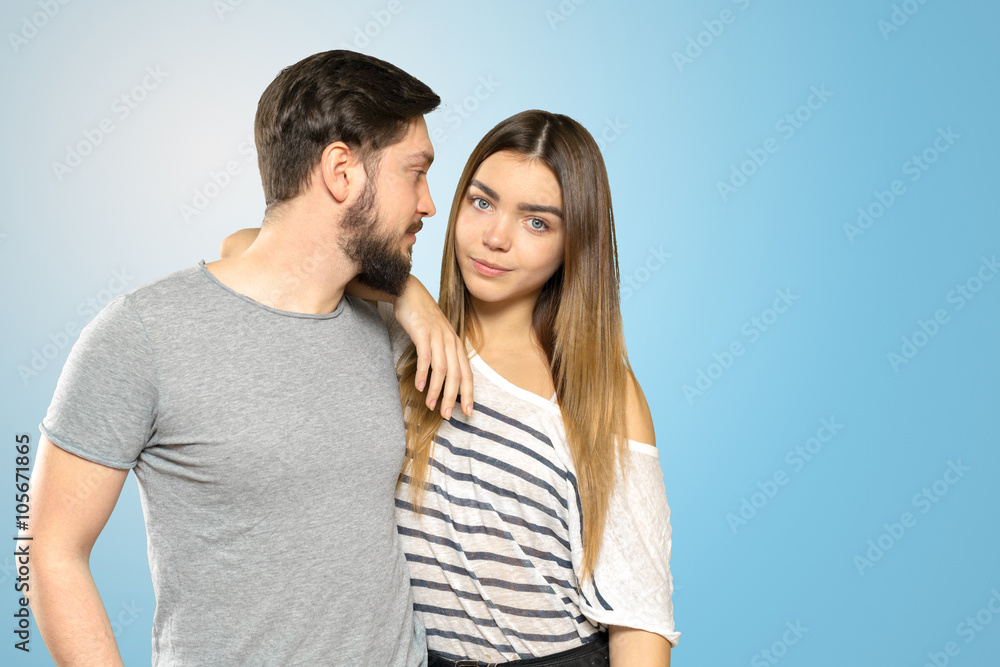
x=537, y=224
x=480, y=203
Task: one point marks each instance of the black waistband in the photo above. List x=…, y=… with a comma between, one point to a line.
x=592, y=654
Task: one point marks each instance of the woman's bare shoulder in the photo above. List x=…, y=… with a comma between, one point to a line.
x=638, y=419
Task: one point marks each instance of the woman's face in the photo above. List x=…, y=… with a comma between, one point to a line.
x=510, y=232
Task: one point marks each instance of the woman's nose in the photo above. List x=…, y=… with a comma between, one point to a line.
x=496, y=236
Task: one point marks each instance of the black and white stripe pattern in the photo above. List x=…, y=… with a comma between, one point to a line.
x=496, y=554
x=491, y=557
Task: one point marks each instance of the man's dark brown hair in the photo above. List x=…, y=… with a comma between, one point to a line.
x=332, y=96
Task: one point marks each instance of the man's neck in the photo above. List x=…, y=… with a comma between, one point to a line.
x=295, y=264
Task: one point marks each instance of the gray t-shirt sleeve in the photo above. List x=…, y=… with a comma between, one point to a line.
x=105, y=401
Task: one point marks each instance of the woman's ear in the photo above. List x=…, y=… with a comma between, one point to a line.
x=339, y=166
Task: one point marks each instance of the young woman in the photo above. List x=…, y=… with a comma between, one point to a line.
x=536, y=527
x=539, y=523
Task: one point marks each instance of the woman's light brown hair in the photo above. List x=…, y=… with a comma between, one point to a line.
x=577, y=318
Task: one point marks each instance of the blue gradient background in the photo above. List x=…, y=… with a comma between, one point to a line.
x=670, y=134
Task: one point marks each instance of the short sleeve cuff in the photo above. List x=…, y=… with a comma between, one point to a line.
x=83, y=453
x=662, y=627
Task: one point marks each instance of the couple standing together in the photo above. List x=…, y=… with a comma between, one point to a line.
x=295, y=515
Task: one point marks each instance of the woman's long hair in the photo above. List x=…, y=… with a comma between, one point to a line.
x=577, y=318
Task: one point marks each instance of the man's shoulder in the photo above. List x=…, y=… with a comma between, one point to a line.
x=174, y=288
x=178, y=280
x=363, y=308
x=368, y=318
x=148, y=298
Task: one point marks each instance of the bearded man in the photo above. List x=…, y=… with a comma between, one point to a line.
x=258, y=407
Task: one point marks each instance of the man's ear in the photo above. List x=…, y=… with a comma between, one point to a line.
x=341, y=170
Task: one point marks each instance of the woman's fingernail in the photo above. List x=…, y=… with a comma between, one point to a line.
x=420, y=385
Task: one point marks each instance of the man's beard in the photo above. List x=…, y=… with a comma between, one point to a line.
x=383, y=266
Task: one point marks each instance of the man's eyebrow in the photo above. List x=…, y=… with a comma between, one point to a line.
x=528, y=208
x=423, y=157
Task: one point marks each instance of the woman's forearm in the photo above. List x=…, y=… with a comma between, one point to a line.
x=629, y=647
x=356, y=289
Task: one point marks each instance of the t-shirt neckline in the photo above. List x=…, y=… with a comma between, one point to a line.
x=532, y=397
x=277, y=311
x=489, y=372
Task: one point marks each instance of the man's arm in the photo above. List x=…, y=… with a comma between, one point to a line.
x=72, y=500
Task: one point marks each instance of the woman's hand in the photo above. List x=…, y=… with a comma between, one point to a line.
x=438, y=348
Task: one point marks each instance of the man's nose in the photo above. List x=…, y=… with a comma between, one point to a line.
x=426, y=203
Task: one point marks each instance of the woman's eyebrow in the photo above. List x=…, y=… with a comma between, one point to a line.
x=539, y=208
x=527, y=208
x=490, y=192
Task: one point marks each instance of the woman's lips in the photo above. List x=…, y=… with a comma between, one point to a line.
x=488, y=269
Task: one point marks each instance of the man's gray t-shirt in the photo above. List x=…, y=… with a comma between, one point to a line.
x=266, y=445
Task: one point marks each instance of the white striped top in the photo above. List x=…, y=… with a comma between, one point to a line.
x=495, y=558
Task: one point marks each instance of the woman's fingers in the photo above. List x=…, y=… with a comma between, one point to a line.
x=439, y=368
x=443, y=368
x=452, y=382
x=422, y=343
x=442, y=356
